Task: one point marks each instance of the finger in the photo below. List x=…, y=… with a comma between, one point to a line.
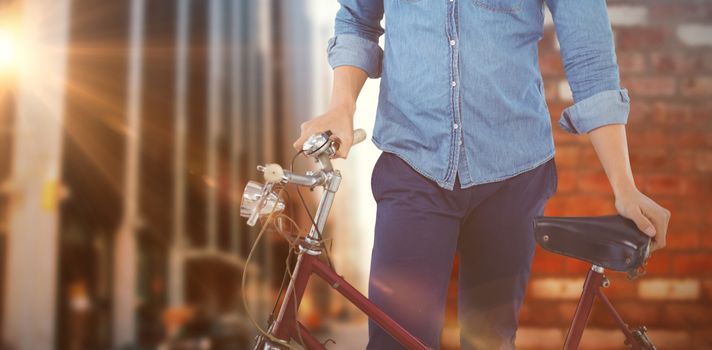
x=659, y=219
x=642, y=222
x=343, y=151
x=346, y=146
x=300, y=141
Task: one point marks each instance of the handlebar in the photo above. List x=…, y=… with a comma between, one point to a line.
x=321, y=147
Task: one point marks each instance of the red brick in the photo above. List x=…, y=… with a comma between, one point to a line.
x=698, y=263
x=556, y=288
x=677, y=62
x=598, y=336
x=594, y=183
x=658, y=263
x=630, y=62
x=676, y=11
x=671, y=339
x=686, y=213
x=675, y=114
x=567, y=180
x=706, y=238
x=564, y=138
x=696, y=86
x=542, y=313
x=567, y=156
x=636, y=38
x=683, y=161
x=666, y=289
x=641, y=114
x=648, y=138
x=550, y=63
x=702, y=338
x=667, y=184
x=555, y=206
x=566, y=311
x=683, y=239
x=708, y=61
x=555, y=107
x=703, y=113
x=686, y=315
x=637, y=312
x=583, y=205
x=577, y=266
x=547, y=262
x=551, y=93
x=694, y=139
x=548, y=40
x=650, y=86
x=621, y=288
x=589, y=159
x=707, y=289
x=542, y=338
x=649, y=158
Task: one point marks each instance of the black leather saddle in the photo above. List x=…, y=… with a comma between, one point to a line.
x=612, y=241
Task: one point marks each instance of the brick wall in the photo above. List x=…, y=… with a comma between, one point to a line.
x=664, y=51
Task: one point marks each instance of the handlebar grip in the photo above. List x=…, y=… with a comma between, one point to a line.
x=359, y=136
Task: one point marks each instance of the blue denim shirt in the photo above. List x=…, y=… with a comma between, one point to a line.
x=461, y=91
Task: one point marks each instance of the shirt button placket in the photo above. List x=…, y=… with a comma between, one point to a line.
x=452, y=40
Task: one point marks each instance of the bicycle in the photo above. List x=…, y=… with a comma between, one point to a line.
x=261, y=201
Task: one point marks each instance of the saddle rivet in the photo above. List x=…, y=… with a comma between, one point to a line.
x=627, y=261
x=545, y=238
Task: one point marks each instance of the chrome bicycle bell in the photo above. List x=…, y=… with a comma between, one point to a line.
x=318, y=144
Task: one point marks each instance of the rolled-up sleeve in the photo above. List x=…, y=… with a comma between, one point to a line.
x=356, y=32
x=587, y=50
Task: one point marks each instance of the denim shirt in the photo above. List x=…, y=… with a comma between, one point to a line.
x=461, y=92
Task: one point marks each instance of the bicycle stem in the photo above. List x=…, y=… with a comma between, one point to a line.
x=310, y=245
x=329, y=179
x=322, y=148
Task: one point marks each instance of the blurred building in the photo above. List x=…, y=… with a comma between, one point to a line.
x=124, y=157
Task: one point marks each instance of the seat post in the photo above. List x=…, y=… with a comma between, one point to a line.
x=591, y=285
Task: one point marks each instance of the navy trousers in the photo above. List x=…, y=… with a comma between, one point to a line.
x=419, y=229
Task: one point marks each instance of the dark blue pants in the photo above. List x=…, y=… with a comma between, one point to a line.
x=419, y=229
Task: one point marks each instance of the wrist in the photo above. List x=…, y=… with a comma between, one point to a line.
x=623, y=188
x=343, y=108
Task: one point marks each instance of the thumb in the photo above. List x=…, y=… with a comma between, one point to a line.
x=642, y=222
x=300, y=141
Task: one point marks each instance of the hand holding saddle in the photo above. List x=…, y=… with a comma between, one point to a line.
x=612, y=241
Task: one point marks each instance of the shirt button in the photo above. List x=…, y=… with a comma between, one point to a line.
x=460, y=142
x=455, y=126
x=452, y=42
x=453, y=83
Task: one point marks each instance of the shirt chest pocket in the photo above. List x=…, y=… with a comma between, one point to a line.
x=508, y=6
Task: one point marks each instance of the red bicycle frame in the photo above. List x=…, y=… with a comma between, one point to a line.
x=595, y=279
x=287, y=326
